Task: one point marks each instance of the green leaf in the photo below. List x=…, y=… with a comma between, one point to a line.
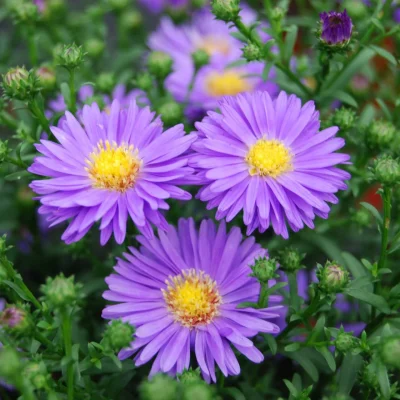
x=385, y=109
x=292, y=347
x=348, y=372
x=17, y=289
x=266, y=71
x=44, y=325
x=330, y=360
x=16, y=176
x=384, y=53
x=306, y=364
x=235, y=393
x=383, y=380
x=293, y=391
x=373, y=211
x=346, y=98
x=361, y=282
x=273, y=346
x=354, y=266
x=367, y=297
x=290, y=41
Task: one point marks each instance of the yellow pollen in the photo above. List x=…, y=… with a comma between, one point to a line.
x=213, y=45
x=227, y=83
x=113, y=167
x=192, y=298
x=269, y=158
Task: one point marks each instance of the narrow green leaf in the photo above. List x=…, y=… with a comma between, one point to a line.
x=330, y=360
x=376, y=301
x=293, y=391
x=373, y=211
x=383, y=380
x=384, y=53
x=346, y=98
x=354, y=266
x=292, y=347
x=16, y=176
x=17, y=290
x=348, y=372
x=385, y=109
x=290, y=41
x=273, y=346
x=306, y=364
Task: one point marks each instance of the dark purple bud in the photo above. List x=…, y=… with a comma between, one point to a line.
x=336, y=27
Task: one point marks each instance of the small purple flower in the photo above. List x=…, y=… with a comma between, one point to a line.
x=336, y=27
x=268, y=158
x=181, y=291
x=112, y=166
x=41, y=5
x=396, y=15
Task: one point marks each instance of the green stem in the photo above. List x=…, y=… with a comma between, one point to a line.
x=387, y=206
x=7, y=120
x=67, y=334
x=276, y=29
x=32, y=48
x=16, y=162
x=263, y=299
x=38, y=112
x=72, y=94
x=293, y=291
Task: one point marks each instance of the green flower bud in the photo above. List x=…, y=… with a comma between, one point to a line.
x=345, y=342
x=118, y=5
x=387, y=171
x=96, y=11
x=189, y=376
x=200, y=58
x=291, y=259
x=47, y=77
x=23, y=12
x=105, y=82
x=159, y=64
x=333, y=278
x=4, y=150
x=131, y=20
x=36, y=373
x=16, y=320
x=344, y=118
x=94, y=47
x=69, y=56
x=10, y=364
x=60, y=291
x=362, y=217
x=277, y=14
x=356, y=9
x=118, y=335
x=20, y=84
x=252, y=52
x=380, y=135
x=171, y=113
x=264, y=269
x=160, y=387
x=144, y=81
x=198, y=391
x=390, y=351
x=225, y=10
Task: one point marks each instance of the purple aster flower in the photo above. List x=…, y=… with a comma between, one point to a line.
x=41, y=5
x=181, y=291
x=336, y=27
x=116, y=165
x=214, y=81
x=157, y=6
x=396, y=15
x=268, y=158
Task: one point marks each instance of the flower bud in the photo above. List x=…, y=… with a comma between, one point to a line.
x=252, y=52
x=333, y=278
x=390, y=351
x=94, y=47
x=105, y=82
x=24, y=12
x=199, y=391
x=69, y=56
x=20, y=84
x=387, y=171
x=144, y=81
x=10, y=364
x=4, y=150
x=380, y=135
x=131, y=20
x=225, y=10
x=344, y=118
x=362, y=217
x=345, y=342
x=171, y=113
x=60, y=291
x=264, y=269
x=36, y=373
x=47, y=77
x=335, y=29
x=200, y=58
x=16, y=320
x=118, y=5
x=356, y=9
x=277, y=14
x=189, y=376
x=160, y=387
x=118, y=335
x=291, y=259
x=159, y=64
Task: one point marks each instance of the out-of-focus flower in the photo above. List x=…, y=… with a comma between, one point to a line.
x=268, y=158
x=47, y=77
x=336, y=28
x=40, y=4
x=61, y=291
x=116, y=164
x=181, y=291
x=156, y=6
x=15, y=319
x=390, y=351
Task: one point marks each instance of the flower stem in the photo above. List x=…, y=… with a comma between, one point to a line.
x=387, y=206
x=38, y=112
x=67, y=334
x=32, y=48
x=293, y=290
x=72, y=92
x=263, y=299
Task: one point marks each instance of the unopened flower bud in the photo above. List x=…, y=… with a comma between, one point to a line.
x=335, y=29
x=189, y=376
x=362, y=217
x=277, y=14
x=10, y=364
x=20, y=84
x=15, y=320
x=159, y=64
x=118, y=5
x=69, y=56
x=387, y=171
x=118, y=335
x=200, y=58
x=171, y=113
x=380, y=135
x=36, y=373
x=290, y=259
x=199, y=391
x=60, y=291
x=160, y=387
x=390, y=351
x=94, y=47
x=144, y=81
x=225, y=10
x=131, y=20
x=332, y=278
x=47, y=77
x=252, y=52
x=344, y=118
x=345, y=342
x=105, y=82
x=24, y=12
x=264, y=269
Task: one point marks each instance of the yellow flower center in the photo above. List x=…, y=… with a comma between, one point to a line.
x=113, y=167
x=213, y=45
x=269, y=158
x=192, y=298
x=227, y=83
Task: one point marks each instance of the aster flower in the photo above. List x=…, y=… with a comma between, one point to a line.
x=336, y=27
x=114, y=166
x=212, y=82
x=267, y=158
x=41, y=5
x=181, y=291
